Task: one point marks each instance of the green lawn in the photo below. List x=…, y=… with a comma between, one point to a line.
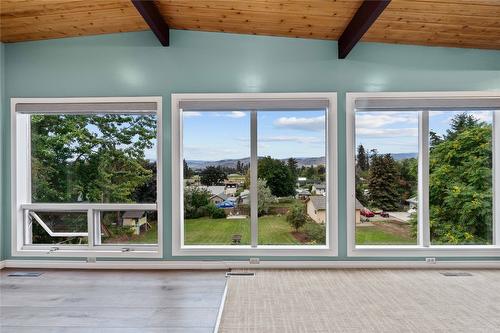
x=272, y=230
x=376, y=236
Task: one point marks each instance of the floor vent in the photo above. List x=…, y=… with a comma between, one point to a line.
x=456, y=274
x=25, y=274
x=245, y=274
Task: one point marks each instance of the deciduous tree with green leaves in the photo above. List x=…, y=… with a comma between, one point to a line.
x=460, y=190
x=90, y=158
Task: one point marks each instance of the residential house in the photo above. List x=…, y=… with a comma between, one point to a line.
x=230, y=188
x=319, y=189
x=218, y=198
x=135, y=219
x=359, y=207
x=302, y=194
x=244, y=197
x=412, y=203
x=236, y=178
x=316, y=208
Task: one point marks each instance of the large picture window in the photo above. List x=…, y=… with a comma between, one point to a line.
x=256, y=173
x=86, y=176
x=423, y=173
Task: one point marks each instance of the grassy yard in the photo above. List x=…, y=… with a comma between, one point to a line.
x=376, y=236
x=203, y=231
x=273, y=230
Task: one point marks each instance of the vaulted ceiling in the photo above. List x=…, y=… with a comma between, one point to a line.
x=458, y=23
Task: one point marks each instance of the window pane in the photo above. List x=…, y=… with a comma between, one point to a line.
x=292, y=177
x=460, y=183
x=93, y=158
x=216, y=151
x=129, y=227
x=58, y=228
x=386, y=178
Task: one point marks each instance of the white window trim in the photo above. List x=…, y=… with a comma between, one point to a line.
x=179, y=249
x=21, y=191
x=424, y=248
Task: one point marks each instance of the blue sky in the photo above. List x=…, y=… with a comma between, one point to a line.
x=214, y=136
x=397, y=132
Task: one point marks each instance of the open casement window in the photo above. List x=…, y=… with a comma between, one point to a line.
x=86, y=177
x=423, y=174
x=254, y=174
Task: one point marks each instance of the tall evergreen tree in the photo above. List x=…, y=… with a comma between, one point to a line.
x=382, y=182
x=212, y=175
x=362, y=158
x=459, y=123
x=188, y=172
x=293, y=166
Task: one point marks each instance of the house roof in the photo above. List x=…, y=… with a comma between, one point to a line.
x=215, y=189
x=318, y=201
x=413, y=200
x=220, y=195
x=133, y=214
x=359, y=205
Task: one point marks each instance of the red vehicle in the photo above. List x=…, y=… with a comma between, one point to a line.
x=367, y=213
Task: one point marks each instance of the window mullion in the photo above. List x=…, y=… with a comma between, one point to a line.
x=90, y=228
x=496, y=178
x=253, y=180
x=423, y=179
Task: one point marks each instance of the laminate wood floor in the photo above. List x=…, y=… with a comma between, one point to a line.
x=78, y=301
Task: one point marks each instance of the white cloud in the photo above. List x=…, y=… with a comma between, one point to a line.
x=306, y=124
x=485, y=116
x=387, y=132
x=237, y=114
x=231, y=114
x=381, y=119
x=211, y=152
x=191, y=114
x=296, y=139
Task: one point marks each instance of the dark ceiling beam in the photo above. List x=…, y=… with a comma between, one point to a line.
x=153, y=18
x=366, y=15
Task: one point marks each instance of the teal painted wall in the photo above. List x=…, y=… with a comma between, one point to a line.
x=2, y=111
x=133, y=64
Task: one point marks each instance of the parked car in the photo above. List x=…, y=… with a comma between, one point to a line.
x=367, y=213
x=384, y=214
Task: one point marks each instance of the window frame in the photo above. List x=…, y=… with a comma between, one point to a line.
x=178, y=247
x=424, y=246
x=21, y=189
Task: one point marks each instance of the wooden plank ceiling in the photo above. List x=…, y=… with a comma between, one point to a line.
x=459, y=23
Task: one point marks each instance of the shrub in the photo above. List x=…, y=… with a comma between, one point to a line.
x=195, y=200
x=315, y=232
x=215, y=212
x=296, y=217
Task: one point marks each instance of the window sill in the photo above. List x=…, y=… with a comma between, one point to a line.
x=247, y=250
x=419, y=251
x=34, y=251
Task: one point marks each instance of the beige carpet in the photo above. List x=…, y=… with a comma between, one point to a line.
x=362, y=301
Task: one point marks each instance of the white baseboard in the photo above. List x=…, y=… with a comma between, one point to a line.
x=66, y=264
x=2, y=264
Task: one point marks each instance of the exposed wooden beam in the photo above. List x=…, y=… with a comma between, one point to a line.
x=153, y=18
x=366, y=15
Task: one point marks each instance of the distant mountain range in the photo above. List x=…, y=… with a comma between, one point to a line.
x=231, y=163
x=302, y=161
x=404, y=156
